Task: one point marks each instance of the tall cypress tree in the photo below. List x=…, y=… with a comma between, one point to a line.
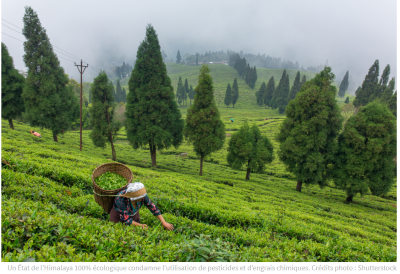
x=12, y=85
x=295, y=88
x=248, y=147
x=228, y=95
x=261, y=94
x=367, y=147
x=104, y=128
x=118, y=94
x=204, y=127
x=186, y=89
x=178, y=57
x=388, y=92
x=235, y=92
x=247, y=74
x=152, y=115
x=269, y=92
x=381, y=87
x=303, y=80
x=253, y=78
x=344, y=85
x=180, y=91
x=282, y=99
x=49, y=100
x=278, y=88
x=191, y=94
x=392, y=104
x=123, y=95
x=368, y=86
x=308, y=136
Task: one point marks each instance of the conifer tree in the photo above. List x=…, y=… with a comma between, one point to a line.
x=178, y=57
x=152, y=115
x=344, y=85
x=367, y=147
x=388, y=92
x=247, y=74
x=49, y=100
x=278, y=88
x=392, y=104
x=113, y=92
x=283, y=95
x=123, y=95
x=248, y=147
x=303, y=80
x=295, y=88
x=186, y=89
x=253, y=78
x=235, y=92
x=12, y=85
x=118, y=94
x=204, y=127
x=308, y=136
x=269, y=92
x=228, y=95
x=357, y=90
x=261, y=94
x=164, y=56
x=180, y=91
x=104, y=128
x=368, y=86
x=191, y=94
x=381, y=87
x=347, y=100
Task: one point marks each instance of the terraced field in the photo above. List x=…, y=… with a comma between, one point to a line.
x=49, y=212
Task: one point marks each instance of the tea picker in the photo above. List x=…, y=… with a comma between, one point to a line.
x=231, y=120
x=35, y=133
x=123, y=204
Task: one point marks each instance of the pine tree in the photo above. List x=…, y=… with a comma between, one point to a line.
x=49, y=100
x=178, y=57
x=247, y=74
x=367, y=147
x=368, y=86
x=282, y=99
x=388, y=92
x=118, y=94
x=164, y=56
x=235, y=92
x=261, y=94
x=278, y=88
x=295, y=88
x=191, y=94
x=12, y=85
x=269, y=92
x=204, y=127
x=101, y=113
x=344, y=85
x=248, y=147
x=113, y=92
x=307, y=137
x=152, y=115
x=186, y=89
x=347, y=100
x=253, y=78
x=228, y=95
x=392, y=104
x=357, y=90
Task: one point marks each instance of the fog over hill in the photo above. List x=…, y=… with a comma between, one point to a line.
x=347, y=35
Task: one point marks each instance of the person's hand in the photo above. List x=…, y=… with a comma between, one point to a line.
x=144, y=226
x=168, y=226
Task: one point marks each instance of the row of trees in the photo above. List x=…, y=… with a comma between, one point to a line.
x=316, y=148
x=123, y=71
x=232, y=94
x=183, y=92
x=249, y=74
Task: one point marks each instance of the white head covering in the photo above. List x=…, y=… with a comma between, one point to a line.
x=133, y=187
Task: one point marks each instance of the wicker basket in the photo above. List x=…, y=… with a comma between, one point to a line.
x=106, y=202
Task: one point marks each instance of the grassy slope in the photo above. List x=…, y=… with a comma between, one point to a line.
x=263, y=219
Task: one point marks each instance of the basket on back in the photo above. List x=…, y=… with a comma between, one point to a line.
x=106, y=202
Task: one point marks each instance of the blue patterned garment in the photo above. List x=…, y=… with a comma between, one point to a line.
x=124, y=208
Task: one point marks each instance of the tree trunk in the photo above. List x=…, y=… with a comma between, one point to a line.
x=153, y=154
x=62, y=131
x=349, y=198
x=11, y=123
x=248, y=174
x=298, y=187
x=114, y=155
x=55, y=138
x=201, y=166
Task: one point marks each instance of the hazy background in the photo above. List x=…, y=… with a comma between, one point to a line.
x=350, y=35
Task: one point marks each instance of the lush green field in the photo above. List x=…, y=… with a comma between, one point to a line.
x=49, y=212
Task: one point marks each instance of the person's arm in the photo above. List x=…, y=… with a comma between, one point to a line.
x=156, y=212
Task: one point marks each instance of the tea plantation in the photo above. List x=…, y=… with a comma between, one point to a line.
x=49, y=213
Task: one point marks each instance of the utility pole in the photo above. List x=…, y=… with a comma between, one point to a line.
x=81, y=72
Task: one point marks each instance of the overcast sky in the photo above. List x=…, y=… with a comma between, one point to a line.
x=350, y=34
